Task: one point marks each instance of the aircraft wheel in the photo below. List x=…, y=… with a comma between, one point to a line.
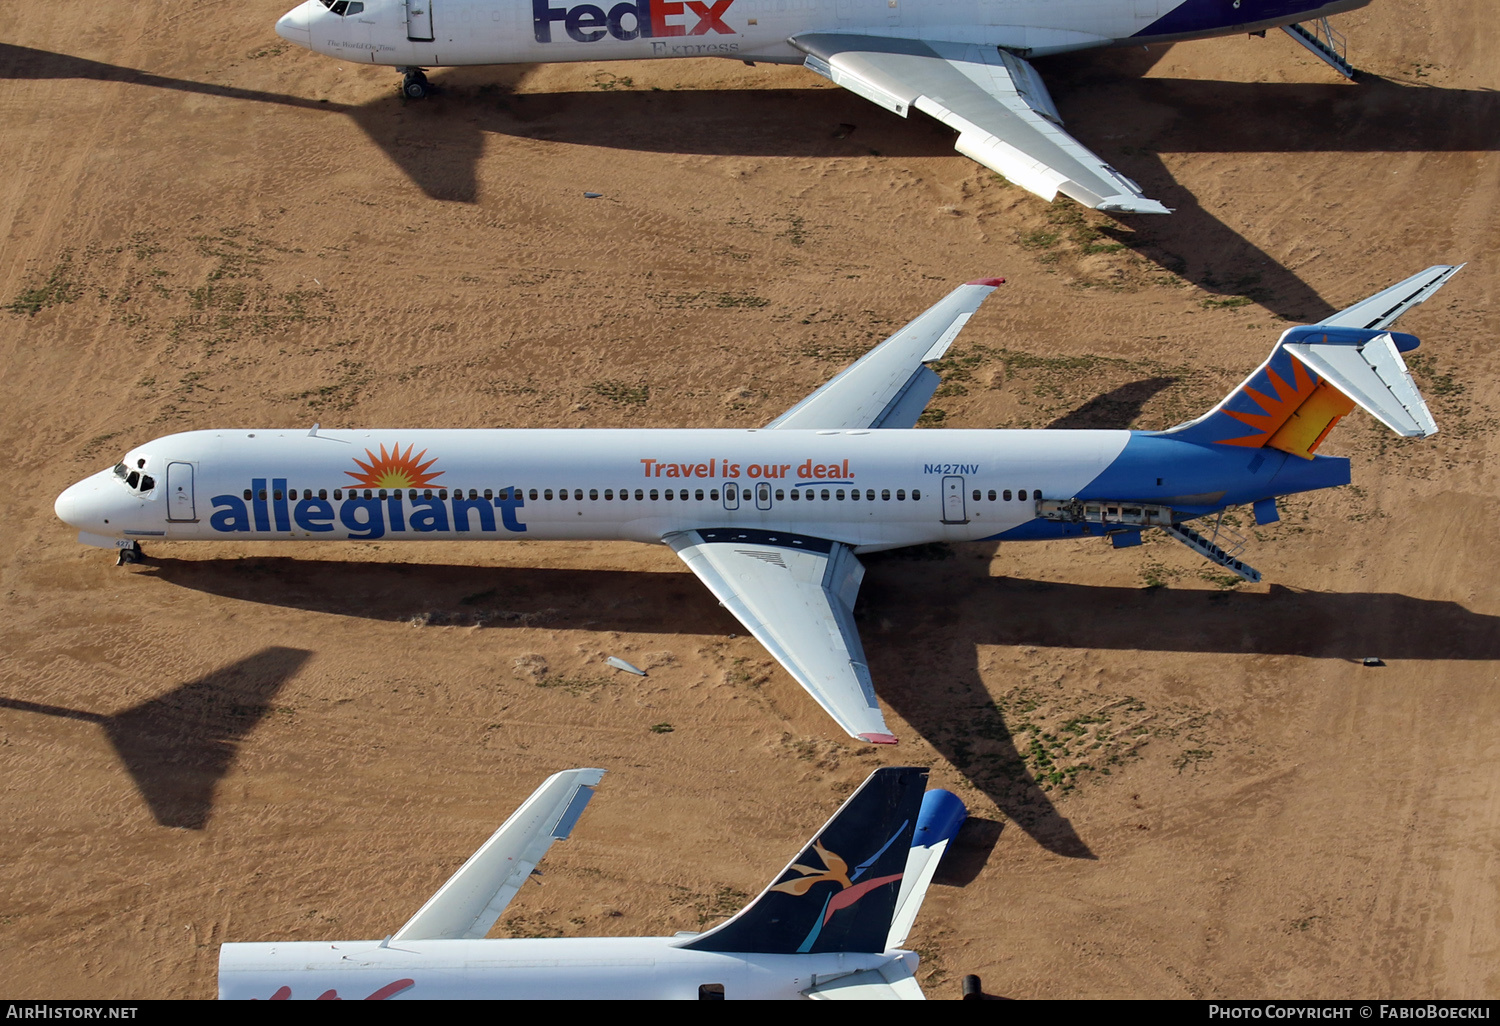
x=414, y=86
x=130, y=556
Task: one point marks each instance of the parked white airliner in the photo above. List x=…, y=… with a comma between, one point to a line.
x=830, y=926
x=771, y=519
x=962, y=62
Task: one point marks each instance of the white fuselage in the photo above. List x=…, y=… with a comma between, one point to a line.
x=618, y=968
x=438, y=33
x=870, y=489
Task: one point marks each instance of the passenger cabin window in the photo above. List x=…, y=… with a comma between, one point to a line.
x=1021, y=495
x=900, y=494
x=711, y=992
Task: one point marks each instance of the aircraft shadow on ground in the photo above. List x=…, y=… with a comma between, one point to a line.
x=1116, y=409
x=913, y=612
x=178, y=746
x=438, y=143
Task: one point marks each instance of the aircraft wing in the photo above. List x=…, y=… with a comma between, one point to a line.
x=469, y=903
x=997, y=103
x=890, y=385
x=1382, y=309
x=795, y=594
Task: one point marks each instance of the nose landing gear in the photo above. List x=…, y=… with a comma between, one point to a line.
x=130, y=554
x=414, y=84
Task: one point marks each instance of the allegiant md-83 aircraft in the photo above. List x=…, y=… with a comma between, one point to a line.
x=962, y=62
x=772, y=519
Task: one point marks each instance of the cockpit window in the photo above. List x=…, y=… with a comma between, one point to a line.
x=147, y=482
x=343, y=7
x=121, y=470
x=133, y=480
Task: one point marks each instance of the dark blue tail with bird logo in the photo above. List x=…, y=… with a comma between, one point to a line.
x=840, y=893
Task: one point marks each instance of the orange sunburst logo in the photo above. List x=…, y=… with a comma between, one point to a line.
x=1278, y=408
x=395, y=469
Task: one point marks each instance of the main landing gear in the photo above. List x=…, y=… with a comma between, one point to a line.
x=414, y=84
x=130, y=554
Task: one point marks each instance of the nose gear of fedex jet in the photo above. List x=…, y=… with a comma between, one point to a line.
x=130, y=554
x=414, y=84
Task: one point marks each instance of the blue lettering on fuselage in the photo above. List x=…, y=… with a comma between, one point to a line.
x=950, y=468
x=364, y=519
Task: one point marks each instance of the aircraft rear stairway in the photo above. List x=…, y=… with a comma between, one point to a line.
x=1325, y=42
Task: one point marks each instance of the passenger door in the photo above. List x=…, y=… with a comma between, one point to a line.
x=419, y=20
x=180, y=505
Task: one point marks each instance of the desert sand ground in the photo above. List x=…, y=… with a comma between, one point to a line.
x=257, y=742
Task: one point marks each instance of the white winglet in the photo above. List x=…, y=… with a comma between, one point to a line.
x=469, y=903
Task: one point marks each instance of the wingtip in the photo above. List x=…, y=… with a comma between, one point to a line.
x=991, y=282
x=881, y=739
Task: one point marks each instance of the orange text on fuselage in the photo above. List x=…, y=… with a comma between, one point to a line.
x=808, y=471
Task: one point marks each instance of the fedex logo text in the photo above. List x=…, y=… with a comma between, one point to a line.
x=585, y=23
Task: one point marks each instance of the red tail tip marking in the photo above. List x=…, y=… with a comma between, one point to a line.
x=991, y=282
x=879, y=739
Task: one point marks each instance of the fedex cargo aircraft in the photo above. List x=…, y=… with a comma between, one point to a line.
x=772, y=519
x=963, y=62
x=830, y=926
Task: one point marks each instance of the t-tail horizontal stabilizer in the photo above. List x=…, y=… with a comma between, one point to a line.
x=467, y=906
x=840, y=894
x=942, y=815
x=1371, y=373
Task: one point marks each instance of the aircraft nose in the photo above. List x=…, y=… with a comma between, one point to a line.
x=295, y=27
x=85, y=506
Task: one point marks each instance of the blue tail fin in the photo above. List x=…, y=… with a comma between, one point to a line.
x=840, y=893
x=1287, y=405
